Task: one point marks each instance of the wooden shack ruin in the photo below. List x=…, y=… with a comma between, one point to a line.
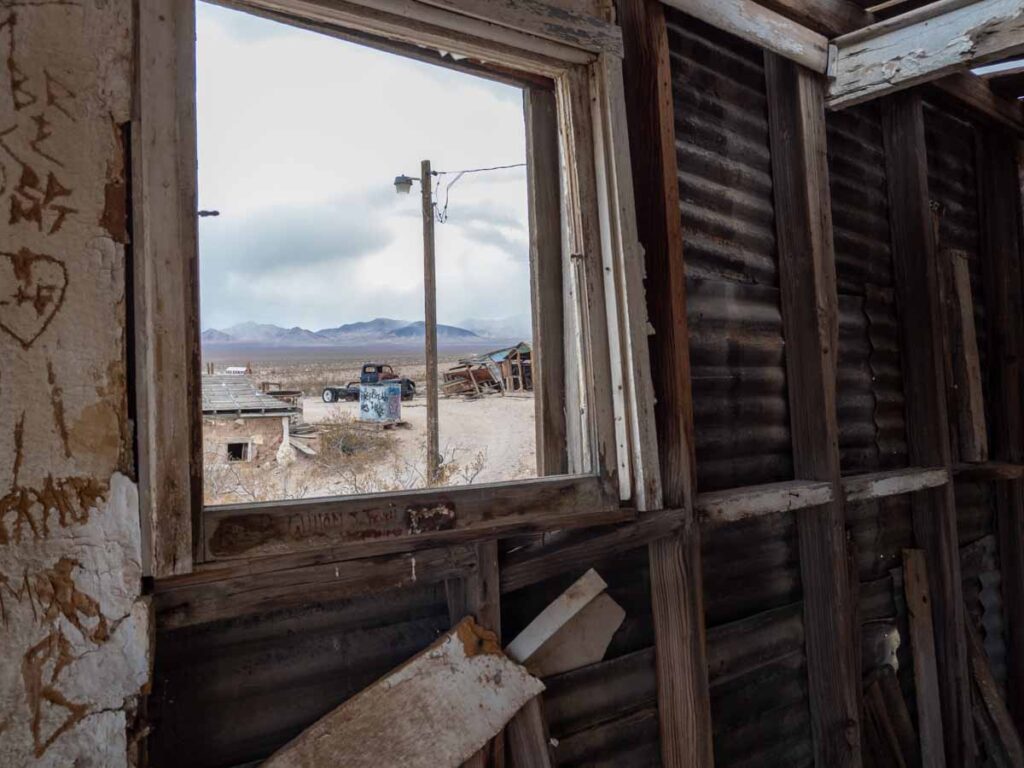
x=779, y=331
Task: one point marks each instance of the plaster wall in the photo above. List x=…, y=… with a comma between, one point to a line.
x=74, y=631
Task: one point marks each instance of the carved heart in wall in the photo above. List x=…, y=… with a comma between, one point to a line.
x=32, y=287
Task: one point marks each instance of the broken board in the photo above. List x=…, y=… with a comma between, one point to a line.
x=436, y=710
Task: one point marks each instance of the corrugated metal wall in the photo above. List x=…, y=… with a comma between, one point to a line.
x=741, y=413
x=752, y=588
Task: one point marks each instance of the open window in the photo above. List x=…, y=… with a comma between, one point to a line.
x=585, y=363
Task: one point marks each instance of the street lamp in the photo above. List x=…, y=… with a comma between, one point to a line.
x=403, y=184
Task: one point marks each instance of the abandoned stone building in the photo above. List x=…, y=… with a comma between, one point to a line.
x=775, y=249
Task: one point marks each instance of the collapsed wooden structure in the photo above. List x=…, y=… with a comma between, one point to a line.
x=503, y=370
x=825, y=445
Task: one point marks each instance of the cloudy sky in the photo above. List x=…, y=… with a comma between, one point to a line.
x=300, y=137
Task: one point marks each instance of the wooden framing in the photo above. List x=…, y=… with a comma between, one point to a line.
x=810, y=319
x=762, y=27
x=579, y=54
x=922, y=45
x=165, y=285
x=977, y=95
x=1000, y=204
x=684, y=711
x=934, y=511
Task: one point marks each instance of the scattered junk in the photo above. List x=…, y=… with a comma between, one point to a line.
x=372, y=373
x=504, y=370
x=243, y=422
x=464, y=677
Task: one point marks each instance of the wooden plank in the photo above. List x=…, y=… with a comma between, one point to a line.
x=762, y=27
x=624, y=272
x=990, y=470
x=545, y=214
x=922, y=643
x=377, y=524
x=922, y=45
x=966, y=368
x=1000, y=214
x=803, y=218
x=877, y=485
x=582, y=641
x=977, y=95
x=731, y=506
x=684, y=711
x=181, y=603
x=934, y=511
x=828, y=17
x=556, y=23
x=528, y=740
x=991, y=699
x=165, y=253
x=437, y=709
x=899, y=715
x=527, y=566
x=555, y=616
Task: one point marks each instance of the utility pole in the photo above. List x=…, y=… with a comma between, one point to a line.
x=430, y=323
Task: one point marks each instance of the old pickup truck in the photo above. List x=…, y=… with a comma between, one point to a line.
x=372, y=373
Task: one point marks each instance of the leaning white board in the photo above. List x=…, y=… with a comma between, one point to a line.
x=435, y=710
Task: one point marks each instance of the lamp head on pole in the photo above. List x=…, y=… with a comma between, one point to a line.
x=403, y=184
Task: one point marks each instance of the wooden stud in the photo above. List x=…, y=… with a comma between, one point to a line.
x=934, y=511
x=548, y=356
x=764, y=28
x=684, y=711
x=1000, y=204
x=731, y=506
x=991, y=700
x=796, y=112
x=977, y=95
x=962, y=339
x=922, y=643
x=165, y=285
x=828, y=17
x=922, y=45
x=878, y=485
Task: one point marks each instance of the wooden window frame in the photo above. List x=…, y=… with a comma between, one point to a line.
x=615, y=467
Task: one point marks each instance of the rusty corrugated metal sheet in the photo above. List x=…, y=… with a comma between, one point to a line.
x=983, y=594
x=872, y=429
x=741, y=413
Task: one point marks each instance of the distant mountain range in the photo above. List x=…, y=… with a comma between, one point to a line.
x=381, y=329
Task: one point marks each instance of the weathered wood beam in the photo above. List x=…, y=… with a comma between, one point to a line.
x=877, y=485
x=1007, y=739
x=165, y=264
x=934, y=511
x=684, y=709
x=763, y=27
x=922, y=45
x=730, y=506
x=545, y=213
x=828, y=17
x=376, y=524
x=990, y=470
x=1000, y=214
x=922, y=645
x=976, y=95
x=803, y=220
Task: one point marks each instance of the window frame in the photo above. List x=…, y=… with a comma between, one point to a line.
x=614, y=467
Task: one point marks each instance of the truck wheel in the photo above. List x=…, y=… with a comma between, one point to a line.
x=328, y=395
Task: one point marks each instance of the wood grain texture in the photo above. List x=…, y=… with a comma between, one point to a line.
x=730, y=506
x=435, y=710
x=764, y=28
x=545, y=215
x=977, y=95
x=878, y=485
x=164, y=259
x=796, y=111
x=923, y=45
x=677, y=594
x=934, y=511
x=1000, y=203
x=922, y=644
x=381, y=523
x=528, y=741
x=827, y=17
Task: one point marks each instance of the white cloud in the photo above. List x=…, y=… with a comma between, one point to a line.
x=300, y=136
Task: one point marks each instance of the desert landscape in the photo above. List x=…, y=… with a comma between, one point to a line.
x=482, y=439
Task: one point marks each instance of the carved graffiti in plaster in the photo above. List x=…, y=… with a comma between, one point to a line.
x=27, y=512
x=35, y=294
x=37, y=195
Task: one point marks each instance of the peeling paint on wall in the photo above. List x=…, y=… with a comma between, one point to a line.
x=74, y=630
